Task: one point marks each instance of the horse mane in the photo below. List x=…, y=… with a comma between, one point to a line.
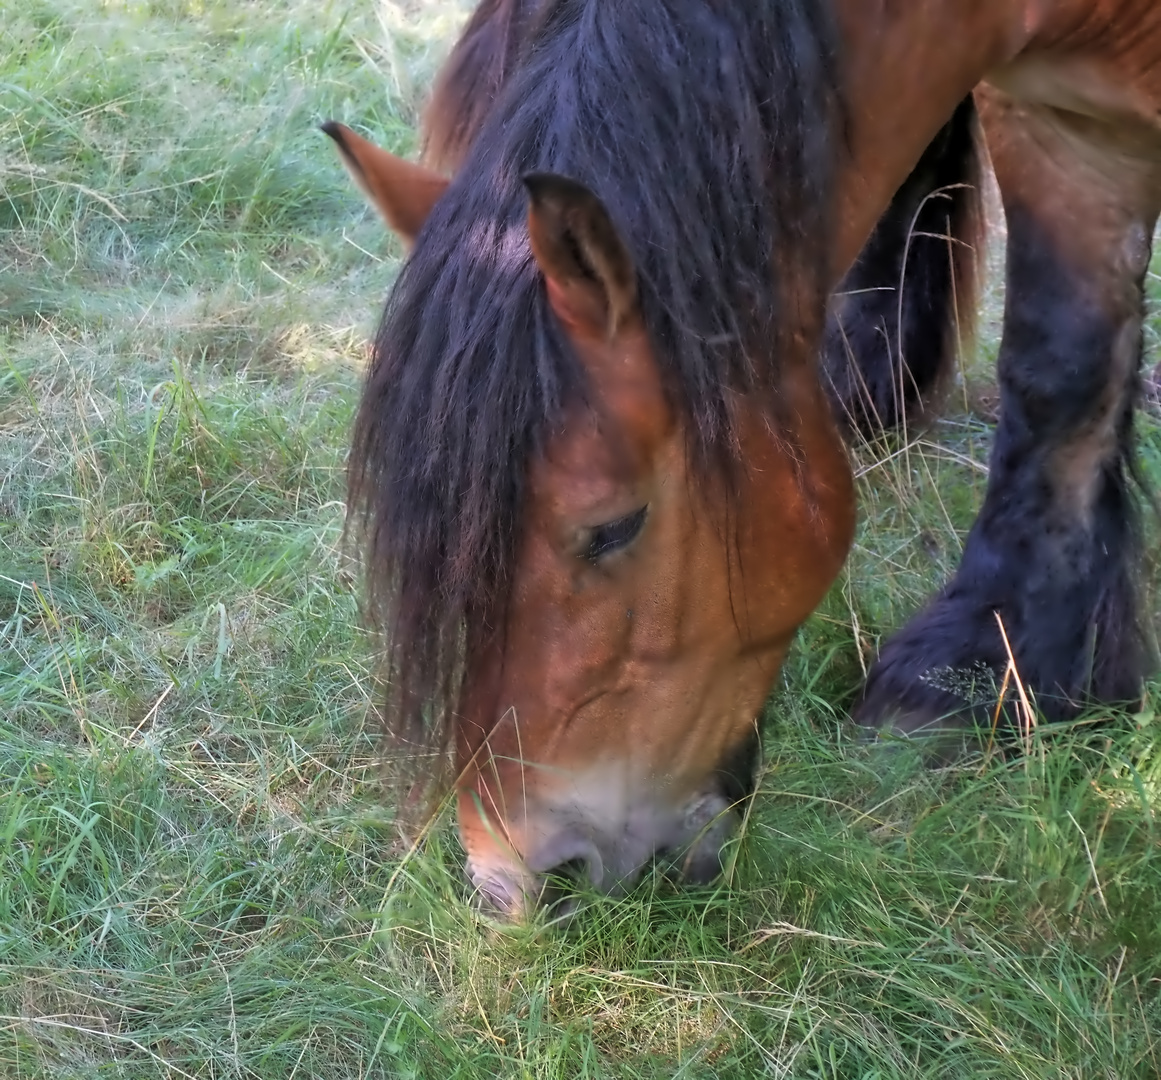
x=705, y=128
x=472, y=77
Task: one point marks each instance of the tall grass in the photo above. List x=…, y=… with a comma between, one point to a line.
x=198, y=873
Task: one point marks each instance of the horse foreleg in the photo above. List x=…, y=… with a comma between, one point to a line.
x=1054, y=552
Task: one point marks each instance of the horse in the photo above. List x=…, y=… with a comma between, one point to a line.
x=596, y=469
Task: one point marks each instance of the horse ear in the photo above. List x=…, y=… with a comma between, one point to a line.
x=590, y=274
x=402, y=192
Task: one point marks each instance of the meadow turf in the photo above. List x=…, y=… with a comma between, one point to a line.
x=199, y=872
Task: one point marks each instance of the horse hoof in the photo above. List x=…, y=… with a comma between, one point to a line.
x=937, y=740
x=927, y=690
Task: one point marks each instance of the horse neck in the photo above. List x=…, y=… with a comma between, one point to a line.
x=907, y=67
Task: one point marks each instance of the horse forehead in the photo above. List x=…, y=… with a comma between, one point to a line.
x=588, y=460
x=612, y=437
x=607, y=440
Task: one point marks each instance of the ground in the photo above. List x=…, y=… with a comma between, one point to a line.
x=199, y=874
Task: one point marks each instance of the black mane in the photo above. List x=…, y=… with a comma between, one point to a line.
x=706, y=129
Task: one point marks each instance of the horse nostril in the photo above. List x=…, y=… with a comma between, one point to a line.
x=562, y=884
x=572, y=861
x=574, y=872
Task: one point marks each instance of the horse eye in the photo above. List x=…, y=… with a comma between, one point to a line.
x=605, y=539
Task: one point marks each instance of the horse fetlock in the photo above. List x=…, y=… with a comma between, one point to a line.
x=1051, y=618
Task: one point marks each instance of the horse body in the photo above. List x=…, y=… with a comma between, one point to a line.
x=673, y=495
x=1075, y=58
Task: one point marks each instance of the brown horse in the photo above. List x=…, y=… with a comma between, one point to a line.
x=594, y=462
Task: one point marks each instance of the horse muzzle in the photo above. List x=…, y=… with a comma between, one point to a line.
x=547, y=865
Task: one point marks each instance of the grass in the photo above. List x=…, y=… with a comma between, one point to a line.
x=198, y=874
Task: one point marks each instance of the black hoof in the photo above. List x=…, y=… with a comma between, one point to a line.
x=937, y=681
x=941, y=679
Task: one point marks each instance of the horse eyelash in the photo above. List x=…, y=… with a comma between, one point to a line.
x=605, y=539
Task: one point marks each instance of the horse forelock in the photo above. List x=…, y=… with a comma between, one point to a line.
x=684, y=118
x=479, y=65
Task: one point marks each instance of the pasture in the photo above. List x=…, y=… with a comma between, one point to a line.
x=199, y=872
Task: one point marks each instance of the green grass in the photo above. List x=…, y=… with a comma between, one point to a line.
x=199, y=875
